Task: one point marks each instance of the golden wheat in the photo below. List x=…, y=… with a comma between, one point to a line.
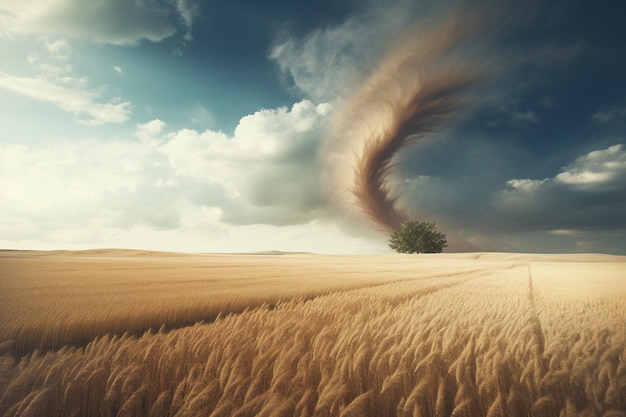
x=461, y=335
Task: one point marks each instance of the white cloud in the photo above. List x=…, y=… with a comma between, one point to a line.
x=118, y=70
x=189, y=187
x=583, y=178
x=525, y=184
x=566, y=232
x=586, y=195
x=55, y=84
x=188, y=10
x=69, y=97
x=151, y=128
x=268, y=170
x=63, y=183
x=59, y=49
x=118, y=22
x=599, y=169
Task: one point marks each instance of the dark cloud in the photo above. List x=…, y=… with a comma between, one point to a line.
x=544, y=85
x=585, y=196
x=609, y=115
x=582, y=202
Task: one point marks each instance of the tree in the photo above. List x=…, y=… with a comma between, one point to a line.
x=417, y=237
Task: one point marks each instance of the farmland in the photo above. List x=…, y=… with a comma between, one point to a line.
x=130, y=333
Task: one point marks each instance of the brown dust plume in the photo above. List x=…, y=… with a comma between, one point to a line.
x=422, y=85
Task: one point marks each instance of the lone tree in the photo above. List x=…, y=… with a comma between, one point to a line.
x=416, y=237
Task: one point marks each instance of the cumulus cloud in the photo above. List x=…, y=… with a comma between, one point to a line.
x=65, y=185
x=266, y=173
x=119, y=22
x=601, y=170
x=151, y=130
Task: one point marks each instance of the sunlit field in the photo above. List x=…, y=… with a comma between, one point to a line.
x=128, y=333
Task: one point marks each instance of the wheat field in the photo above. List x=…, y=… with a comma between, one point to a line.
x=129, y=333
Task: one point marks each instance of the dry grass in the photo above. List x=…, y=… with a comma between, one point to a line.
x=309, y=335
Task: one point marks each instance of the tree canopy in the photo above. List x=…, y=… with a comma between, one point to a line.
x=417, y=237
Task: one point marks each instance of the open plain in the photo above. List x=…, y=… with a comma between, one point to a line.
x=132, y=333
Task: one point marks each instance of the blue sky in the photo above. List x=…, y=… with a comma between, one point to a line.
x=212, y=126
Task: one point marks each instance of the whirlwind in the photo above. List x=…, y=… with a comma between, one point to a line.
x=423, y=84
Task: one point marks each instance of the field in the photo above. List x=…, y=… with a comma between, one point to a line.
x=130, y=333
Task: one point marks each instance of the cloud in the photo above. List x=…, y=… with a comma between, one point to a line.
x=512, y=117
x=119, y=22
x=307, y=62
x=188, y=11
x=66, y=185
x=118, y=70
x=330, y=60
x=526, y=185
x=153, y=127
x=609, y=115
x=265, y=174
x=585, y=196
x=601, y=170
x=59, y=49
x=55, y=84
x=451, y=181
x=69, y=95
x=470, y=189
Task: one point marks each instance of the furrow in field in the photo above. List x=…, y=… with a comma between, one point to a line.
x=582, y=310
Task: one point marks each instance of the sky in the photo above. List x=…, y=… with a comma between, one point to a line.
x=240, y=126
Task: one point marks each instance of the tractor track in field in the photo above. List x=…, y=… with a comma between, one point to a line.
x=536, y=324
